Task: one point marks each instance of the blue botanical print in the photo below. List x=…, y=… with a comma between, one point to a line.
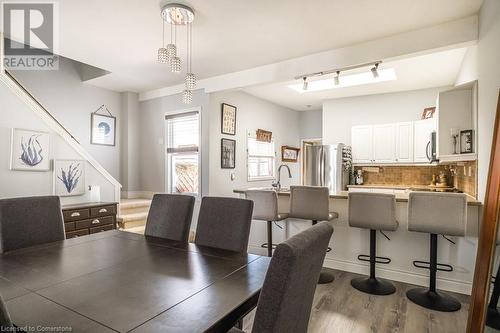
x=31, y=151
x=70, y=177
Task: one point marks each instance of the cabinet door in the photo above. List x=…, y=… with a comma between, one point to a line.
x=362, y=145
x=422, y=138
x=384, y=145
x=404, y=142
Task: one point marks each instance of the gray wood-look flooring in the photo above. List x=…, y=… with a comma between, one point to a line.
x=339, y=308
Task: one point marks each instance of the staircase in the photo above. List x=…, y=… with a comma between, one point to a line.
x=133, y=214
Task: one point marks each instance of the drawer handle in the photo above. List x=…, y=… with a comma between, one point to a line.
x=103, y=210
x=96, y=221
x=75, y=214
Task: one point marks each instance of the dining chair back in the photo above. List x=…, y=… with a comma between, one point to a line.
x=170, y=216
x=224, y=223
x=5, y=321
x=288, y=291
x=30, y=221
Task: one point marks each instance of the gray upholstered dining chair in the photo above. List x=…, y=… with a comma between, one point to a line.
x=170, y=217
x=312, y=203
x=287, y=294
x=265, y=208
x=30, y=221
x=436, y=214
x=376, y=212
x=224, y=223
x=5, y=321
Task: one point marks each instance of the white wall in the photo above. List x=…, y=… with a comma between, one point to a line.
x=469, y=68
x=252, y=113
x=489, y=84
x=339, y=115
x=71, y=101
x=15, y=114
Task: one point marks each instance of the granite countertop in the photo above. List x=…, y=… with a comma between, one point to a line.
x=398, y=187
x=400, y=197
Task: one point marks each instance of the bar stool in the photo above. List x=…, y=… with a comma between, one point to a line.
x=265, y=208
x=312, y=203
x=436, y=214
x=374, y=211
x=493, y=316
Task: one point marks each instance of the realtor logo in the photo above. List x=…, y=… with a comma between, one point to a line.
x=30, y=31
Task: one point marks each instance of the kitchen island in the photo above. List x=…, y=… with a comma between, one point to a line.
x=403, y=247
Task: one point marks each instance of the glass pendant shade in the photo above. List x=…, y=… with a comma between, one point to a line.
x=162, y=55
x=171, y=51
x=175, y=64
x=187, y=96
x=190, y=81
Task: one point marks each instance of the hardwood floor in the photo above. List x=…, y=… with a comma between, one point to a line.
x=339, y=308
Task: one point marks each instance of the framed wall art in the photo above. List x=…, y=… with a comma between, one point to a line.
x=103, y=128
x=69, y=177
x=289, y=154
x=466, y=142
x=428, y=112
x=29, y=150
x=228, y=119
x=228, y=154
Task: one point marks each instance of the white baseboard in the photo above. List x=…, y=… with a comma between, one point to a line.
x=460, y=287
x=137, y=194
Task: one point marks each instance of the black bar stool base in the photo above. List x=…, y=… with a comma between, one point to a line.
x=373, y=286
x=432, y=300
x=493, y=319
x=325, y=276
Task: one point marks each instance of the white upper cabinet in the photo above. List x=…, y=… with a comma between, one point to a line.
x=384, y=143
x=422, y=139
x=404, y=142
x=362, y=144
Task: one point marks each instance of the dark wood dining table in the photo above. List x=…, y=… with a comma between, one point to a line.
x=117, y=281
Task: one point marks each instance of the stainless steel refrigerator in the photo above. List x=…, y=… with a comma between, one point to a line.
x=328, y=165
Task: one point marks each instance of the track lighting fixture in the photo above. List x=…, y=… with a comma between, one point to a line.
x=304, y=85
x=336, y=79
x=374, y=71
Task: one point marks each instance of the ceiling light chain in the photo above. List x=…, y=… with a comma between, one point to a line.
x=162, y=51
x=178, y=14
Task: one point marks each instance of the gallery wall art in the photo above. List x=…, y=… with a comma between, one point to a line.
x=103, y=127
x=29, y=150
x=69, y=177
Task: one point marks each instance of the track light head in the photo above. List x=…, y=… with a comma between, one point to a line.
x=336, y=78
x=304, y=86
x=374, y=71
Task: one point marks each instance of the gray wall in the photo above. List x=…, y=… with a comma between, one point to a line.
x=16, y=114
x=151, y=138
x=252, y=113
x=311, y=124
x=339, y=115
x=130, y=143
x=71, y=101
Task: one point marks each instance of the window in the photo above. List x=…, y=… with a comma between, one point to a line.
x=182, y=162
x=261, y=157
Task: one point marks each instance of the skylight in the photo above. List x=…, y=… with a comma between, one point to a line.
x=387, y=74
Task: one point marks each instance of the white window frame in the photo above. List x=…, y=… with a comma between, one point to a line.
x=165, y=146
x=255, y=179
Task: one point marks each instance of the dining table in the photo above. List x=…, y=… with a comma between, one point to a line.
x=118, y=281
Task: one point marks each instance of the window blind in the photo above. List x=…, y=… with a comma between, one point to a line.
x=183, y=132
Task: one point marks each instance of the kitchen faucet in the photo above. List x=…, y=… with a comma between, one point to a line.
x=277, y=184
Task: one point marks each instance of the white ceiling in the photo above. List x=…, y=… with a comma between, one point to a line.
x=122, y=36
x=432, y=70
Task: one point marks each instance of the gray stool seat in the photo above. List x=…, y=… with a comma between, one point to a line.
x=312, y=203
x=436, y=213
x=265, y=208
x=373, y=211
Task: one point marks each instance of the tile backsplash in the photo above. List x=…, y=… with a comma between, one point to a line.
x=461, y=175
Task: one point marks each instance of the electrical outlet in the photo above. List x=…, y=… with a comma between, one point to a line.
x=465, y=171
x=470, y=171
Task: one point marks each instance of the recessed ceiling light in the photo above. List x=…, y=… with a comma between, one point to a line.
x=388, y=74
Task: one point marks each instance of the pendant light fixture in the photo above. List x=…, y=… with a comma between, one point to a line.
x=162, y=51
x=176, y=15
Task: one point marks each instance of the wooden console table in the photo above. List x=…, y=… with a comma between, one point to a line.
x=89, y=218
